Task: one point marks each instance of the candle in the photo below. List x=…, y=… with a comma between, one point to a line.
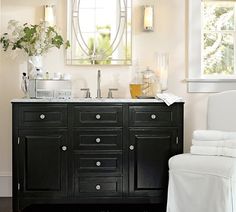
x=162, y=62
x=163, y=78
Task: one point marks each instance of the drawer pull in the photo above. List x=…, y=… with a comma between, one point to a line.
x=42, y=116
x=131, y=147
x=98, y=140
x=98, y=116
x=98, y=187
x=98, y=163
x=153, y=116
x=64, y=148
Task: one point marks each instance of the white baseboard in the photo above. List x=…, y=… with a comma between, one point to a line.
x=5, y=184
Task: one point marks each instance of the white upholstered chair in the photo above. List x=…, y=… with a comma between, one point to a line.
x=206, y=183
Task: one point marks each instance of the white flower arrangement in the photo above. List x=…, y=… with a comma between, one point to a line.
x=35, y=40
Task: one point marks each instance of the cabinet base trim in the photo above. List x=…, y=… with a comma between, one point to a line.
x=5, y=184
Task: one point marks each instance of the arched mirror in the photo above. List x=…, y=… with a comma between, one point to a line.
x=99, y=32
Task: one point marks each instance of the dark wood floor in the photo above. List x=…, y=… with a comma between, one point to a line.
x=5, y=206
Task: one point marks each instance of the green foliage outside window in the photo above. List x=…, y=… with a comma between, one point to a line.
x=101, y=47
x=218, y=38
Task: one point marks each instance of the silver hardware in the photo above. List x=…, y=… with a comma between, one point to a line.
x=177, y=140
x=98, y=187
x=98, y=140
x=18, y=140
x=99, y=95
x=98, y=116
x=42, y=116
x=153, y=116
x=131, y=147
x=98, y=163
x=18, y=186
x=110, y=92
x=64, y=148
x=87, y=94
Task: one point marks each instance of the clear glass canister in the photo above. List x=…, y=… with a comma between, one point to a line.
x=151, y=84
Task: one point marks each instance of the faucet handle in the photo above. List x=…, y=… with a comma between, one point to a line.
x=87, y=95
x=110, y=92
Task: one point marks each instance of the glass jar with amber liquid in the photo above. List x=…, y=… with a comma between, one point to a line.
x=136, y=83
x=135, y=90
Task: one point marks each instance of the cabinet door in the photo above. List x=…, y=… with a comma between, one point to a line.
x=149, y=151
x=42, y=163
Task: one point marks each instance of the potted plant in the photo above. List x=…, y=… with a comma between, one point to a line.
x=34, y=40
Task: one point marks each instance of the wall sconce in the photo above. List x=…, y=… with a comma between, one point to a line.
x=148, y=18
x=49, y=14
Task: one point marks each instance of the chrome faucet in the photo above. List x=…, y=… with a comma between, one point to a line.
x=99, y=84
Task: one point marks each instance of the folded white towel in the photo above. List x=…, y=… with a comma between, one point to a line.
x=231, y=143
x=217, y=151
x=199, y=150
x=168, y=98
x=229, y=152
x=213, y=135
x=216, y=143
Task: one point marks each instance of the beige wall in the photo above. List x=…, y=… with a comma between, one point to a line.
x=169, y=36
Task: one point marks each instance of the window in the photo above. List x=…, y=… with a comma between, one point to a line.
x=212, y=45
x=218, y=39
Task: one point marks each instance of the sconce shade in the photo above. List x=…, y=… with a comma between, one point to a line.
x=148, y=18
x=49, y=15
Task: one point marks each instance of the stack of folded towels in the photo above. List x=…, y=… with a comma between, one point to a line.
x=213, y=142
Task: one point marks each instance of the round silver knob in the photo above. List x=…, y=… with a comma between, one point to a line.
x=131, y=147
x=98, y=140
x=98, y=116
x=64, y=148
x=42, y=116
x=98, y=163
x=153, y=116
x=98, y=187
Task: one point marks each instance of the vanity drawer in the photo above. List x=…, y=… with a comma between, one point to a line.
x=159, y=115
x=101, y=164
x=99, y=186
x=97, y=116
x=43, y=115
x=97, y=139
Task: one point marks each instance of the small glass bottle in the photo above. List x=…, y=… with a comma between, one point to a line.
x=46, y=77
x=136, y=82
x=151, y=85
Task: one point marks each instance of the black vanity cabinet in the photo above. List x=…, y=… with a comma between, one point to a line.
x=154, y=133
x=97, y=151
x=93, y=153
x=40, y=142
x=42, y=163
x=150, y=150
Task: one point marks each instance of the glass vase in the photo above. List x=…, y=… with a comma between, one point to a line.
x=162, y=66
x=35, y=67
